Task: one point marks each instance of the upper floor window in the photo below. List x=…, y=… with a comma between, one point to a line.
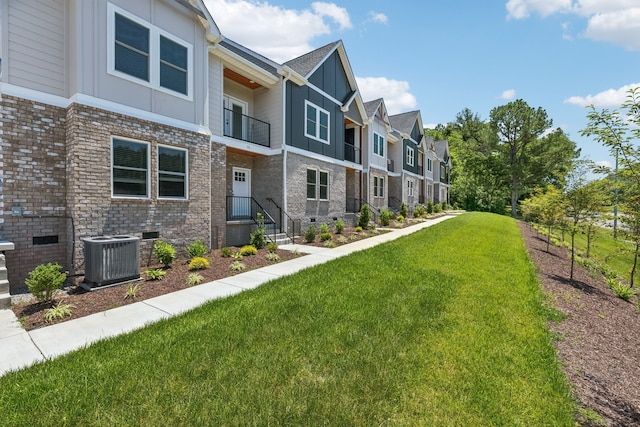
x=317, y=122
x=129, y=168
x=378, y=144
x=142, y=52
x=411, y=153
x=172, y=172
x=429, y=164
x=317, y=184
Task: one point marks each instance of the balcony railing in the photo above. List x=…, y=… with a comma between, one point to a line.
x=390, y=165
x=421, y=170
x=245, y=128
x=352, y=153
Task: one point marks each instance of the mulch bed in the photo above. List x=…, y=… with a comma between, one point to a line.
x=599, y=342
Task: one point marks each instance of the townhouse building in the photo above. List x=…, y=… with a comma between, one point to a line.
x=142, y=119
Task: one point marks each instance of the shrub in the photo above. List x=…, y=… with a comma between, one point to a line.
x=44, y=280
x=437, y=208
x=198, y=263
x=419, y=211
x=164, y=252
x=330, y=244
x=339, y=226
x=257, y=237
x=272, y=246
x=619, y=289
x=237, y=266
x=60, y=311
x=342, y=239
x=403, y=210
x=358, y=229
x=196, y=249
x=445, y=205
x=429, y=207
x=272, y=256
x=400, y=219
x=194, y=279
x=248, y=250
x=365, y=216
x=237, y=256
x=155, y=273
x=132, y=291
x=226, y=252
x=385, y=217
x=324, y=228
x=310, y=234
x=326, y=236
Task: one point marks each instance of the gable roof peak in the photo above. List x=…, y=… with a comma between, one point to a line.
x=306, y=63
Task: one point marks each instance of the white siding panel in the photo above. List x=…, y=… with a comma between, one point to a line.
x=215, y=96
x=36, y=45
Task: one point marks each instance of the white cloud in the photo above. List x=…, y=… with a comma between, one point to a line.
x=430, y=125
x=377, y=17
x=607, y=98
x=611, y=21
x=279, y=34
x=604, y=164
x=397, y=97
x=508, y=94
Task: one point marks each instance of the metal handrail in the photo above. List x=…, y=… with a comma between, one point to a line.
x=289, y=220
x=246, y=128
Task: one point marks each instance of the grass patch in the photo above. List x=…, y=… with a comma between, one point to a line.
x=442, y=327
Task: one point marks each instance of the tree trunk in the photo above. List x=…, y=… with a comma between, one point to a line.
x=635, y=262
x=573, y=252
x=548, y=238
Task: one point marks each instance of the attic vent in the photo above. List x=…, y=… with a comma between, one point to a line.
x=111, y=259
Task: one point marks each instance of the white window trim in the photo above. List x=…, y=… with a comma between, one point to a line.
x=186, y=173
x=316, y=137
x=378, y=187
x=411, y=151
x=409, y=188
x=380, y=138
x=154, y=53
x=317, y=184
x=148, y=190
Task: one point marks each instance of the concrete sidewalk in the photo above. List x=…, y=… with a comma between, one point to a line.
x=19, y=348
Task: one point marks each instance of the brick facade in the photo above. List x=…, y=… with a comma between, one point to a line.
x=57, y=167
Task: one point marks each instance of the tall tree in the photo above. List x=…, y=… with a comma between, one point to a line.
x=517, y=126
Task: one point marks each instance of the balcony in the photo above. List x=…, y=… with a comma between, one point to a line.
x=245, y=128
x=352, y=153
x=421, y=170
x=390, y=165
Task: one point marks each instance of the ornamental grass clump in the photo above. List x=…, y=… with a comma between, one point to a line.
x=58, y=312
x=155, y=273
x=44, y=280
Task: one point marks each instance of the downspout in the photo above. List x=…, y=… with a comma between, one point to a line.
x=284, y=140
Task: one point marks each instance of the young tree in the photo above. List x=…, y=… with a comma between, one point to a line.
x=518, y=126
x=547, y=205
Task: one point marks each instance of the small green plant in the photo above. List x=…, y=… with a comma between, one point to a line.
x=385, y=217
x=296, y=252
x=339, y=226
x=429, y=207
x=365, y=216
x=272, y=256
x=164, y=252
x=272, y=246
x=445, y=205
x=310, y=234
x=248, y=250
x=155, y=273
x=403, y=210
x=44, y=280
x=358, y=229
x=620, y=289
x=342, y=239
x=196, y=249
x=257, y=238
x=326, y=237
x=132, y=291
x=58, y=312
x=437, y=208
x=194, y=279
x=198, y=263
x=400, y=218
x=237, y=256
x=330, y=244
x=419, y=211
x=324, y=228
x=237, y=266
x=226, y=252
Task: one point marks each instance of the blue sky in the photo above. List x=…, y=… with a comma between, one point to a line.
x=443, y=56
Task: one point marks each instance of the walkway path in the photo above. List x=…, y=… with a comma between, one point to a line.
x=20, y=348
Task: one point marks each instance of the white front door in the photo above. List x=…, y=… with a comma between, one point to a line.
x=241, y=193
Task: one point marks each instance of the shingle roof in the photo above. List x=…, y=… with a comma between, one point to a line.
x=251, y=56
x=372, y=106
x=354, y=113
x=441, y=148
x=404, y=122
x=304, y=64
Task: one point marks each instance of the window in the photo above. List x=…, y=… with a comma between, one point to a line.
x=429, y=164
x=410, y=156
x=317, y=184
x=129, y=168
x=378, y=145
x=378, y=186
x=142, y=52
x=410, y=189
x=172, y=172
x=317, y=123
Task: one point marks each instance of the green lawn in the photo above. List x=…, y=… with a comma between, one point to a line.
x=443, y=327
